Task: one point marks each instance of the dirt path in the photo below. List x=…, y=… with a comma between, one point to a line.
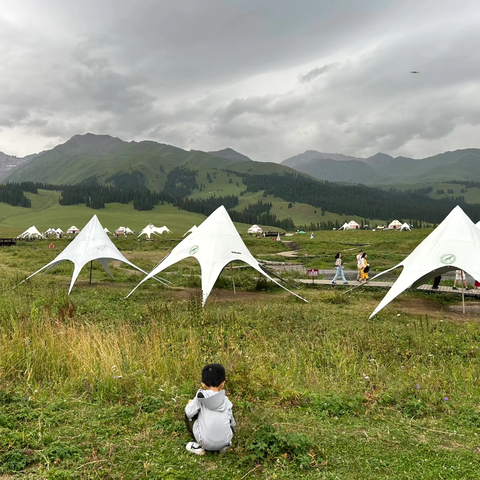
x=293, y=252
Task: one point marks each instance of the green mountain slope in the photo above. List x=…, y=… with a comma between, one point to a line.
x=230, y=154
x=382, y=169
x=351, y=171
x=101, y=158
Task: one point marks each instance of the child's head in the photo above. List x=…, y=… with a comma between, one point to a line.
x=213, y=375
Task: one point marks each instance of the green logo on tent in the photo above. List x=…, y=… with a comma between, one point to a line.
x=194, y=250
x=448, y=258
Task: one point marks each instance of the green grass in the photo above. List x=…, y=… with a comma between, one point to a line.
x=46, y=212
x=93, y=385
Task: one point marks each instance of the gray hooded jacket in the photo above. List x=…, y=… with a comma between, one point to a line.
x=213, y=428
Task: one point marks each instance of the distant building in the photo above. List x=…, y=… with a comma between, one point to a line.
x=395, y=225
x=353, y=225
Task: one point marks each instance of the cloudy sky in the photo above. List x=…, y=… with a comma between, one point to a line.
x=269, y=78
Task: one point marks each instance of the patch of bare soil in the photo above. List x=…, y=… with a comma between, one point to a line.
x=425, y=306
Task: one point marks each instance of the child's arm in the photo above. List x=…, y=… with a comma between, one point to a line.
x=233, y=423
x=192, y=408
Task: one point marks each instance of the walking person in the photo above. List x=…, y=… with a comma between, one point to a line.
x=339, y=268
x=460, y=277
x=359, y=265
x=365, y=268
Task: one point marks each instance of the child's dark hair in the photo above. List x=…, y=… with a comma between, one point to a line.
x=337, y=255
x=213, y=375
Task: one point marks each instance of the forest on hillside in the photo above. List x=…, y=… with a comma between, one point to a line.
x=358, y=200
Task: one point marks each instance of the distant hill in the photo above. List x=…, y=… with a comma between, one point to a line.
x=9, y=163
x=230, y=154
x=105, y=159
x=382, y=169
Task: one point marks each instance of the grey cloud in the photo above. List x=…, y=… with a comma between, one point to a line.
x=316, y=72
x=173, y=72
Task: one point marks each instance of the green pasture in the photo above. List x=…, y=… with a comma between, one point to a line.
x=46, y=212
x=93, y=385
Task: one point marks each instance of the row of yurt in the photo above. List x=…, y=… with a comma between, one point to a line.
x=33, y=232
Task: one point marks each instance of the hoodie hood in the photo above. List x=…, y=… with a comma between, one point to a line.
x=215, y=401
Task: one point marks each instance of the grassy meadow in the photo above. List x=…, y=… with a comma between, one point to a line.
x=93, y=385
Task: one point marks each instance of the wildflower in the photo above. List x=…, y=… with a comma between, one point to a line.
x=446, y=399
x=418, y=386
x=114, y=377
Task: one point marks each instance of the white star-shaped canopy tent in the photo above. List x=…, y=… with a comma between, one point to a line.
x=31, y=232
x=152, y=229
x=454, y=244
x=92, y=243
x=215, y=243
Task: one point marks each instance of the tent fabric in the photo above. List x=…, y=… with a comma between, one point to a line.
x=92, y=243
x=215, y=243
x=50, y=231
x=394, y=225
x=59, y=230
x=454, y=244
x=405, y=226
x=353, y=224
x=73, y=229
x=106, y=230
x=345, y=226
x=255, y=229
x=150, y=229
x=31, y=232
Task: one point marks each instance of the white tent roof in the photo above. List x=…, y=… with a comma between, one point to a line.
x=92, y=243
x=454, y=244
x=478, y=224
x=31, y=232
x=106, y=230
x=73, y=229
x=127, y=230
x=150, y=228
x=353, y=223
x=59, y=230
x=255, y=229
x=395, y=223
x=345, y=226
x=215, y=243
x=405, y=226
x=50, y=230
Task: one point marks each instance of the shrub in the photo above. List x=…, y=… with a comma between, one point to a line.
x=269, y=444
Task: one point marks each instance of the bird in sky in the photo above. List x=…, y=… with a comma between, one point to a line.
x=414, y=71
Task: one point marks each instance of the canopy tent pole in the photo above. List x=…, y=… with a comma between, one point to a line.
x=91, y=266
x=233, y=278
x=273, y=274
x=463, y=298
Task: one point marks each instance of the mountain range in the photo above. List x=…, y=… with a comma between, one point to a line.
x=100, y=157
x=382, y=169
